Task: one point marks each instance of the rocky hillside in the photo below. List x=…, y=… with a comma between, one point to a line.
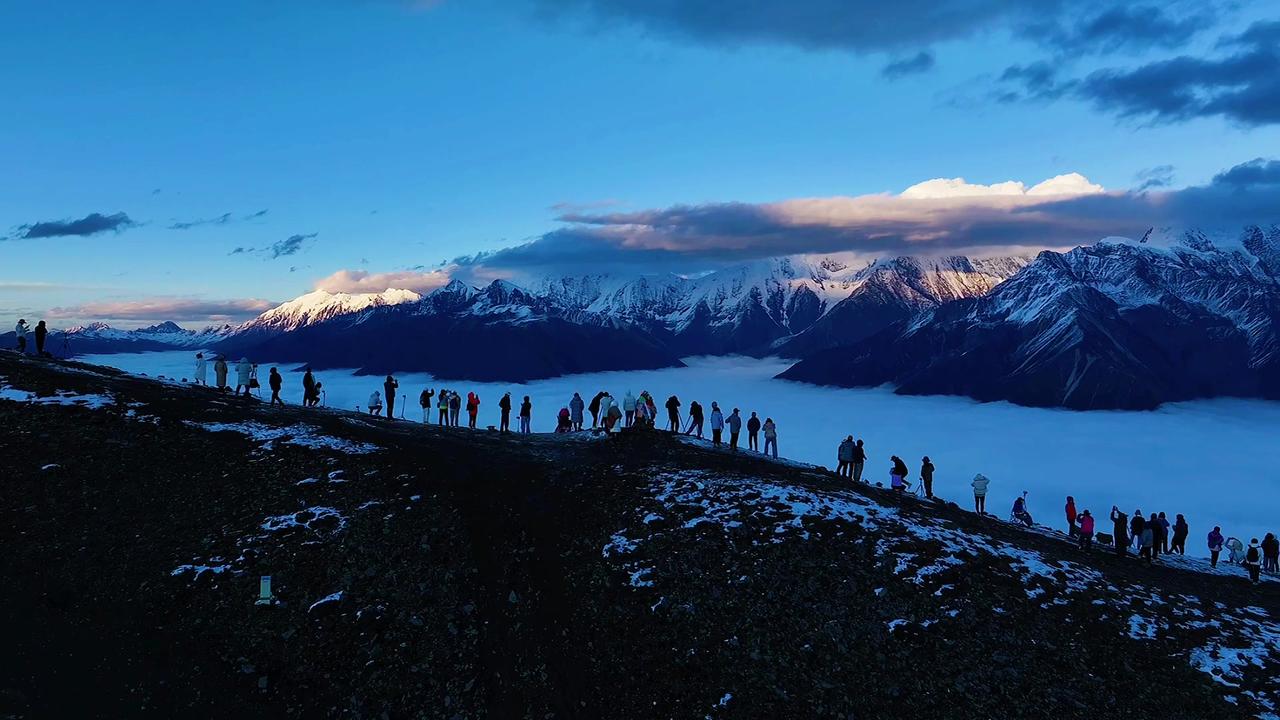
x=422, y=572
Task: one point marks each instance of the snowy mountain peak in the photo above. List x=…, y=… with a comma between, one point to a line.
x=321, y=305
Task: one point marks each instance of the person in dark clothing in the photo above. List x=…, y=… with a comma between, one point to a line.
x=1137, y=524
x=673, y=413
x=1271, y=553
x=594, y=409
x=42, y=332
x=1120, y=530
x=275, y=382
x=1157, y=533
x=844, y=458
x=926, y=476
x=504, y=425
x=389, y=387
x=442, y=406
x=898, y=473
x=1163, y=531
x=1216, y=541
x=526, y=414
x=753, y=432
x=695, y=419
x=1180, y=532
x=308, y=388
x=1071, y=516
x=734, y=423
x=455, y=408
x=424, y=399
x=859, y=459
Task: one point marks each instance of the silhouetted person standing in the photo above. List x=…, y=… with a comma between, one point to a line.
x=526, y=415
x=576, y=407
x=42, y=332
x=308, y=388
x=926, y=476
x=275, y=381
x=753, y=432
x=505, y=406
x=389, y=387
x=734, y=421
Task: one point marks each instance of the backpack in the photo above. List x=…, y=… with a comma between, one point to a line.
x=1251, y=557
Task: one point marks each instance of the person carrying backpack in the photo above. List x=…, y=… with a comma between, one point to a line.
x=844, y=456
x=1216, y=542
x=576, y=406
x=695, y=419
x=753, y=432
x=1270, y=553
x=926, y=476
x=1253, y=561
x=1180, y=532
x=770, y=438
x=1071, y=516
x=275, y=382
x=734, y=421
x=504, y=405
x=1086, y=531
x=424, y=399
x=980, y=483
x=717, y=424
x=1120, y=530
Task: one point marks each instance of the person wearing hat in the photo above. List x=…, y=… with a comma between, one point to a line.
x=1253, y=560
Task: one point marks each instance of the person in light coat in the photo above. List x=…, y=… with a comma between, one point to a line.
x=845, y=457
x=717, y=424
x=770, y=438
x=734, y=421
x=220, y=373
x=375, y=403
x=244, y=372
x=980, y=483
x=629, y=408
x=21, y=330
x=202, y=370
x=606, y=402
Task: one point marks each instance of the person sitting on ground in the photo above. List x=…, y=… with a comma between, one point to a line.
x=1271, y=553
x=563, y=422
x=276, y=382
x=1180, y=532
x=1071, y=516
x=375, y=403
x=844, y=457
x=980, y=483
x=897, y=473
x=1085, y=531
x=1216, y=542
x=926, y=476
x=753, y=432
x=1020, y=513
x=1253, y=561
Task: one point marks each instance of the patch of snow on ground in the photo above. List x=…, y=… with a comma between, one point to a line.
x=63, y=397
x=334, y=597
x=302, y=435
x=324, y=521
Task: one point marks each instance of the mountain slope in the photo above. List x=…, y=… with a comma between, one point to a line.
x=422, y=572
x=1113, y=325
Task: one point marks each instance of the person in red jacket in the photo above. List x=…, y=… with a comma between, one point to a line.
x=473, y=407
x=1086, y=531
x=1071, y=516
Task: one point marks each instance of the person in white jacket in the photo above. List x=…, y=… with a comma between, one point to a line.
x=717, y=424
x=606, y=402
x=375, y=403
x=202, y=370
x=244, y=371
x=21, y=330
x=629, y=408
x=979, y=484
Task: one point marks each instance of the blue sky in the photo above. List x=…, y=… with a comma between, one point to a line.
x=387, y=137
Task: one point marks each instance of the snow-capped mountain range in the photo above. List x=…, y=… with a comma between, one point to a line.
x=1112, y=325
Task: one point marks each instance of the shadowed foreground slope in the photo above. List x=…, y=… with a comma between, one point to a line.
x=423, y=572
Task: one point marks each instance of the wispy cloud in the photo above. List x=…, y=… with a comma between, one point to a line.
x=90, y=224
x=921, y=62
x=223, y=219
x=159, y=309
x=291, y=245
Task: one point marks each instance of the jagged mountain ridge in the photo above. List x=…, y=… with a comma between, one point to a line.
x=1112, y=325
